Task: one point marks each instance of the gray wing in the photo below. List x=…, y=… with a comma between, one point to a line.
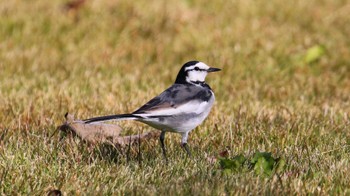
x=175, y=96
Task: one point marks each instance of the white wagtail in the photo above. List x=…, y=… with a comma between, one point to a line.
x=180, y=108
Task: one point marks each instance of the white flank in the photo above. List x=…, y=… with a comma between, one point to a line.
x=189, y=107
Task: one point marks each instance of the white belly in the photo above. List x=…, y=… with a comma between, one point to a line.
x=183, y=122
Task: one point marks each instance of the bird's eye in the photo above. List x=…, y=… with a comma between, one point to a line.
x=196, y=68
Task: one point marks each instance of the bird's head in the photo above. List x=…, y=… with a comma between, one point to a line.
x=194, y=72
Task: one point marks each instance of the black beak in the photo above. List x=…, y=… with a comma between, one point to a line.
x=213, y=69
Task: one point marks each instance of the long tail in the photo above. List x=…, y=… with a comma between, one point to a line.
x=112, y=117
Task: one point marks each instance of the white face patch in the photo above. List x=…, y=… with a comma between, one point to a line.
x=196, y=76
x=197, y=72
x=200, y=65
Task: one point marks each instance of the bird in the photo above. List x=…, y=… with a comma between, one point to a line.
x=180, y=108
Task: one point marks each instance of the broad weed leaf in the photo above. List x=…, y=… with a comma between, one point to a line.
x=263, y=163
x=233, y=164
x=314, y=53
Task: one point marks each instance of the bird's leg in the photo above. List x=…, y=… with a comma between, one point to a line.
x=161, y=139
x=184, y=144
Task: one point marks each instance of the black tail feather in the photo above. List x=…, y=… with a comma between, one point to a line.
x=111, y=117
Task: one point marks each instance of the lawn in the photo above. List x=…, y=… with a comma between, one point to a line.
x=284, y=89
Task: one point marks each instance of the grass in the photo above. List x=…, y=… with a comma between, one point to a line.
x=112, y=56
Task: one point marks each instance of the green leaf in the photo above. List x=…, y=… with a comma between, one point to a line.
x=234, y=164
x=314, y=53
x=258, y=155
x=280, y=165
x=263, y=163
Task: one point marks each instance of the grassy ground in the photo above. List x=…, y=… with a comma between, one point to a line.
x=284, y=89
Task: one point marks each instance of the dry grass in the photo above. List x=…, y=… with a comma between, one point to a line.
x=112, y=56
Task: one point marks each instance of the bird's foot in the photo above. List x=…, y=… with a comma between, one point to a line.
x=185, y=146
